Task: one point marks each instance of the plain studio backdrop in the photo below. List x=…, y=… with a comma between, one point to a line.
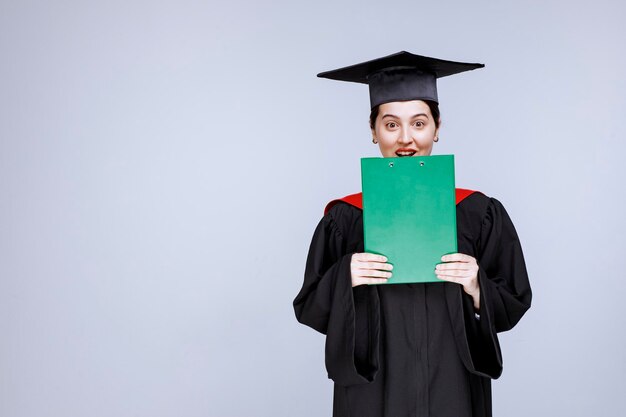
x=163, y=166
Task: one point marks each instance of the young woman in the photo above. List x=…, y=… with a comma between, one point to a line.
x=412, y=349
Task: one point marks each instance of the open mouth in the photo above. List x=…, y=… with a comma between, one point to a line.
x=405, y=152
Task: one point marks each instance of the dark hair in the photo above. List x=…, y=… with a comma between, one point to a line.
x=434, y=110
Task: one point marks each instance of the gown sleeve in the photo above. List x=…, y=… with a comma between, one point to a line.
x=505, y=292
x=327, y=302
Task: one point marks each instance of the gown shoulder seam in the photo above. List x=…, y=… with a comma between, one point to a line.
x=332, y=220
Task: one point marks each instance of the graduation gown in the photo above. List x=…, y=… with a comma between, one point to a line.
x=414, y=349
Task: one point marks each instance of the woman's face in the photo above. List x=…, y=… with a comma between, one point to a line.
x=405, y=128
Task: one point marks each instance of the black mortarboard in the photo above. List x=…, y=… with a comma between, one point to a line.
x=400, y=77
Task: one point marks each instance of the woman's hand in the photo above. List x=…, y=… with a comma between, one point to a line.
x=369, y=268
x=462, y=269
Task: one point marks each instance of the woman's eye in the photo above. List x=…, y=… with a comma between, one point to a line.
x=419, y=123
x=392, y=125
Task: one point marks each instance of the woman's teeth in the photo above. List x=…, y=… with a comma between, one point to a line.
x=405, y=153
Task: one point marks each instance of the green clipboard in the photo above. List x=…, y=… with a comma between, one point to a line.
x=409, y=213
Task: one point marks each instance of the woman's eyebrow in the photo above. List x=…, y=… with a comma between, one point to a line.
x=412, y=117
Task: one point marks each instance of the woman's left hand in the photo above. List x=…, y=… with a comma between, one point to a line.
x=462, y=269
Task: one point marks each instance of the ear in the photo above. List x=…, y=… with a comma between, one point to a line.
x=437, y=129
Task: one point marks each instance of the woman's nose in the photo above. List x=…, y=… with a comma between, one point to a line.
x=405, y=136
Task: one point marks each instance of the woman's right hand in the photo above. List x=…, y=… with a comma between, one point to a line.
x=369, y=268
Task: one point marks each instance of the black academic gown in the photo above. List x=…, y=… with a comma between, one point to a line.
x=414, y=350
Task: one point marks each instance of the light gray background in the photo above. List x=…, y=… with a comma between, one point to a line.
x=163, y=165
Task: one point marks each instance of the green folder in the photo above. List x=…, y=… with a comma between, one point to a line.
x=409, y=213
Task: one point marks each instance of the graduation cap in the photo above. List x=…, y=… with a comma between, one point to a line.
x=400, y=77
